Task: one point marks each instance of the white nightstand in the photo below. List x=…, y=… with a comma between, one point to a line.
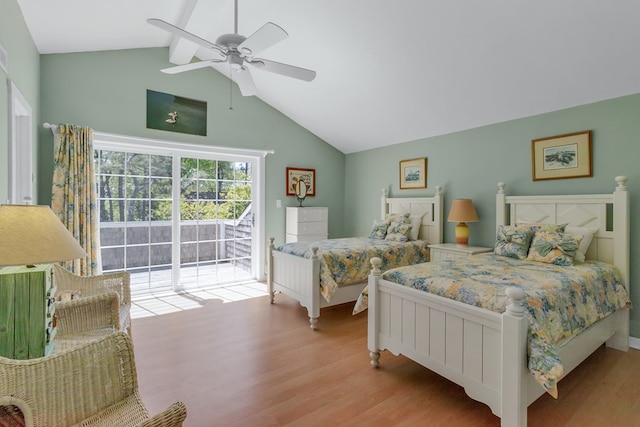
x=453, y=251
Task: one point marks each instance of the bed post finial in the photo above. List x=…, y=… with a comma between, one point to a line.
x=622, y=183
x=516, y=297
x=501, y=186
x=375, y=264
x=438, y=189
x=385, y=192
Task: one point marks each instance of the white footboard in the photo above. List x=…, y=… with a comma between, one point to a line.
x=299, y=278
x=482, y=351
x=462, y=343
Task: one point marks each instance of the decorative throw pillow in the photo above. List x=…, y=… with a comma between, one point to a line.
x=397, y=217
x=513, y=241
x=587, y=234
x=535, y=226
x=554, y=248
x=416, y=222
x=398, y=232
x=379, y=229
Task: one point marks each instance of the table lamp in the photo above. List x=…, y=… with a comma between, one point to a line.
x=462, y=211
x=33, y=234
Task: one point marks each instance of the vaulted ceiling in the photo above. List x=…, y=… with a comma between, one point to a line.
x=387, y=71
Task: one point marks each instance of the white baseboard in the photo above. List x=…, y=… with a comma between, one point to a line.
x=634, y=343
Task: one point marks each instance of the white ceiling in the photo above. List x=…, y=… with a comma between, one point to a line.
x=388, y=71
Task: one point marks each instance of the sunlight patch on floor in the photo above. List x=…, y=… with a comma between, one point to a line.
x=171, y=302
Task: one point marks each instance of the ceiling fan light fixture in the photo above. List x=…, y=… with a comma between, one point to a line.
x=235, y=61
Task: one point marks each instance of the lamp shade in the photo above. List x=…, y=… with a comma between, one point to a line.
x=462, y=210
x=31, y=234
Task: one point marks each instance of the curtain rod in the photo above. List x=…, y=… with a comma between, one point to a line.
x=54, y=128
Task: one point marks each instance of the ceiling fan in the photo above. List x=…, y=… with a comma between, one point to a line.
x=239, y=52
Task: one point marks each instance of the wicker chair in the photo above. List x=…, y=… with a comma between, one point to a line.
x=89, y=286
x=94, y=384
x=86, y=319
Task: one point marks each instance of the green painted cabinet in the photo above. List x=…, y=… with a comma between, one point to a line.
x=27, y=311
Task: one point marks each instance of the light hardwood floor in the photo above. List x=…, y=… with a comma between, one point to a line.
x=249, y=363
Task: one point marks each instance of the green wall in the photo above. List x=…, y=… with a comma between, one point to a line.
x=471, y=163
x=107, y=91
x=23, y=70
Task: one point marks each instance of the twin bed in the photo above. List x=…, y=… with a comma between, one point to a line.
x=335, y=271
x=490, y=340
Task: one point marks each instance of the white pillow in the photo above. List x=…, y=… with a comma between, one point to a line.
x=587, y=234
x=416, y=222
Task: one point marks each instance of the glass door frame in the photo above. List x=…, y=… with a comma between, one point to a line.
x=113, y=142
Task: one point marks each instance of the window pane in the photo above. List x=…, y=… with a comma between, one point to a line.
x=161, y=165
x=207, y=168
x=137, y=164
x=111, y=162
x=137, y=187
x=161, y=188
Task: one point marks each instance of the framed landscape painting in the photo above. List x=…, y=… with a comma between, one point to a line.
x=413, y=173
x=562, y=156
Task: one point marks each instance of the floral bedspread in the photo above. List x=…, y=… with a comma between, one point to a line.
x=346, y=261
x=561, y=301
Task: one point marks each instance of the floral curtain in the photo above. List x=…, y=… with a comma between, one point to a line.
x=73, y=194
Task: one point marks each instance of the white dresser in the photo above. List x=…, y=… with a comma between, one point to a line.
x=453, y=251
x=307, y=223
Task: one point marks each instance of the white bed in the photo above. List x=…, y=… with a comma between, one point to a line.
x=486, y=352
x=299, y=277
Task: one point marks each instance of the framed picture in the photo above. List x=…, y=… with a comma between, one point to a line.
x=298, y=174
x=413, y=173
x=562, y=156
x=176, y=114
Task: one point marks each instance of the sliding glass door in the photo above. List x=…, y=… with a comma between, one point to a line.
x=176, y=221
x=216, y=221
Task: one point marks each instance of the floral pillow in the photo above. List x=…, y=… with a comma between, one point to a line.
x=398, y=232
x=535, y=226
x=379, y=229
x=397, y=217
x=554, y=248
x=513, y=241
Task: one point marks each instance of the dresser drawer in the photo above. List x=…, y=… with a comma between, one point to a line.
x=305, y=237
x=312, y=214
x=312, y=228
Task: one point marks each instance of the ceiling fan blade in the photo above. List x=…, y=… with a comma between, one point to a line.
x=177, y=31
x=284, y=69
x=190, y=66
x=266, y=36
x=245, y=82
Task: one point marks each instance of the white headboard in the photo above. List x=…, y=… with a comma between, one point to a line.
x=609, y=213
x=430, y=208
